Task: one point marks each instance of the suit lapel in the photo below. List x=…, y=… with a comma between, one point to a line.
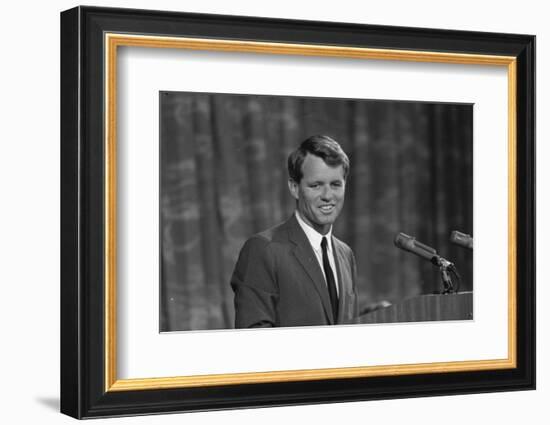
x=343, y=277
x=306, y=257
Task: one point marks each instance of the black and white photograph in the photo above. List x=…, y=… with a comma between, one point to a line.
x=281, y=211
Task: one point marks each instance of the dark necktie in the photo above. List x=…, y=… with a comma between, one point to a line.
x=331, y=284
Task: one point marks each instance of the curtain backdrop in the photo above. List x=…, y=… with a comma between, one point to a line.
x=223, y=178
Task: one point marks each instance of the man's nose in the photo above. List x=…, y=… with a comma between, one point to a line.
x=326, y=194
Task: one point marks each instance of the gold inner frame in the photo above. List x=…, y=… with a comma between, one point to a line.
x=113, y=41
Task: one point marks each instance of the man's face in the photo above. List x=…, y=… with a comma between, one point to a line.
x=320, y=193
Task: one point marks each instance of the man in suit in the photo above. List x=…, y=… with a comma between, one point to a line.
x=298, y=273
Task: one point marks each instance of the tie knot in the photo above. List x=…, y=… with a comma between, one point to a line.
x=324, y=243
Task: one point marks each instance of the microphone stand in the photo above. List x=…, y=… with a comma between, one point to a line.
x=445, y=269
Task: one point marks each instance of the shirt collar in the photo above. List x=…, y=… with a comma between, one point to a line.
x=313, y=236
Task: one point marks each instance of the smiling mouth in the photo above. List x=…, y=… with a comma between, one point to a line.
x=326, y=208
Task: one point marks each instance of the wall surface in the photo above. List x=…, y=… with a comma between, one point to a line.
x=29, y=224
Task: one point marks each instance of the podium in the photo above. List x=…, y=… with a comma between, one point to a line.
x=424, y=308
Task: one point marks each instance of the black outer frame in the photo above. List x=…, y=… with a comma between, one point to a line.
x=82, y=217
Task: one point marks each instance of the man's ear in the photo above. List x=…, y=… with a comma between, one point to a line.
x=293, y=187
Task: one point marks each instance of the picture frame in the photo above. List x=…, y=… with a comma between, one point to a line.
x=90, y=41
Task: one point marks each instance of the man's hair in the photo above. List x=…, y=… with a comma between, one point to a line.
x=322, y=146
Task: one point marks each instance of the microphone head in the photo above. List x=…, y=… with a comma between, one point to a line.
x=410, y=244
x=404, y=241
x=462, y=239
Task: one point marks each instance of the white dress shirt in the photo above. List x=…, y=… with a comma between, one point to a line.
x=315, y=238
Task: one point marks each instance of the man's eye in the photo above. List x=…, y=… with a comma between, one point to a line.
x=314, y=185
x=337, y=184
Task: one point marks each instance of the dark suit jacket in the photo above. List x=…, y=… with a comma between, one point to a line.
x=279, y=282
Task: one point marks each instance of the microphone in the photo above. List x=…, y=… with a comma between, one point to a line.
x=410, y=244
x=462, y=239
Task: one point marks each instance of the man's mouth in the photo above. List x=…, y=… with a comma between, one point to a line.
x=327, y=208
